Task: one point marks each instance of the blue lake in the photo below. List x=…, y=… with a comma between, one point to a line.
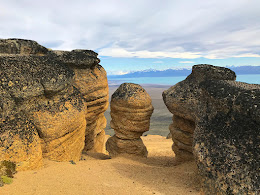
x=249, y=78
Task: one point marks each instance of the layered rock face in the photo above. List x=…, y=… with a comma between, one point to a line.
x=226, y=138
x=182, y=130
x=131, y=109
x=43, y=109
x=91, y=80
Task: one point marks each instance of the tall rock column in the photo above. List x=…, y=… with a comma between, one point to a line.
x=91, y=80
x=131, y=109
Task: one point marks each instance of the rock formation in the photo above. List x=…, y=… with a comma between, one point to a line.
x=91, y=80
x=182, y=135
x=222, y=116
x=21, y=46
x=131, y=109
x=47, y=97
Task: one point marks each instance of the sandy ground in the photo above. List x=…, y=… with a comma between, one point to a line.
x=98, y=174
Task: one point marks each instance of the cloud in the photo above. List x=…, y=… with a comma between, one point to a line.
x=158, y=62
x=117, y=72
x=213, y=29
x=248, y=55
x=186, y=62
x=120, y=52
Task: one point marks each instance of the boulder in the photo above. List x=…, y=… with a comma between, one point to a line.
x=226, y=117
x=131, y=109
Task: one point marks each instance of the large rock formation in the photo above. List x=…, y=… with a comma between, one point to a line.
x=91, y=80
x=226, y=138
x=131, y=109
x=44, y=107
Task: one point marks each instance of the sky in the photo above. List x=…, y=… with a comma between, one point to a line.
x=141, y=34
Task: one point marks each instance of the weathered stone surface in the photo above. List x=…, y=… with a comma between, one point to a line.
x=21, y=46
x=46, y=96
x=78, y=58
x=226, y=137
x=92, y=83
x=29, y=76
x=117, y=146
x=7, y=170
x=182, y=135
x=19, y=142
x=61, y=124
x=131, y=109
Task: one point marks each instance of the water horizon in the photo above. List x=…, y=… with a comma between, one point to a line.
x=157, y=81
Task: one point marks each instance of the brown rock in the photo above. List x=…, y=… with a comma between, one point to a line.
x=131, y=110
x=62, y=133
x=183, y=124
x=182, y=135
x=20, y=143
x=117, y=146
x=92, y=83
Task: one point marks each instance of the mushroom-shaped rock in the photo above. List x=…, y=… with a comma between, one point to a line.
x=131, y=109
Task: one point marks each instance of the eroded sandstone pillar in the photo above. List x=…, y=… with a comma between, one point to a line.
x=90, y=79
x=93, y=85
x=182, y=135
x=131, y=109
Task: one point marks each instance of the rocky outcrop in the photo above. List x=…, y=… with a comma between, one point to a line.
x=91, y=80
x=44, y=108
x=131, y=109
x=225, y=114
x=21, y=46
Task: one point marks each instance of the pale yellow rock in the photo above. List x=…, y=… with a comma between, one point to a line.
x=182, y=135
x=28, y=157
x=62, y=133
x=99, y=143
x=21, y=144
x=92, y=83
x=131, y=109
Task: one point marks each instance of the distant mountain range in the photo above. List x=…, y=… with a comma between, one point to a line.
x=239, y=70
